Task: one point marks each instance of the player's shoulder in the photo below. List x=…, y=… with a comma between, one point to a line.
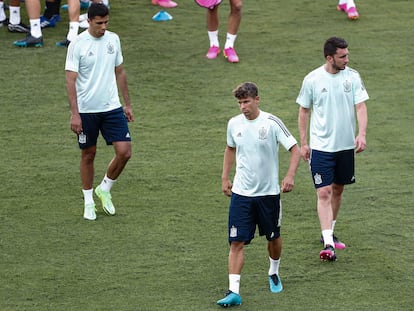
x=111, y=34
x=237, y=118
x=351, y=71
x=315, y=73
x=274, y=120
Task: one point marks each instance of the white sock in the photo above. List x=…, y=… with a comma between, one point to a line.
x=234, y=283
x=35, y=29
x=2, y=13
x=213, y=36
x=274, y=266
x=333, y=225
x=342, y=2
x=328, y=237
x=73, y=31
x=350, y=4
x=230, y=41
x=88, y=196
x=107, y=183
x=14, y=17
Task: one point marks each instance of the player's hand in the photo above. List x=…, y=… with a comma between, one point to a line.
x=226, y=186
x=305, y=152
x=360, y=143
x=76, y=123
x=128, y=113
x=287, y=184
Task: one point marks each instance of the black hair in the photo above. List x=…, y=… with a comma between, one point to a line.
x=97, y=9
x=332, y=44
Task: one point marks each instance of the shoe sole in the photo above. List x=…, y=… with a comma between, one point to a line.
x=37, y=45
x=327, y=256
x=226, y=305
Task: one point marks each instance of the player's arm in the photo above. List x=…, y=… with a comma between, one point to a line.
x=75, y=120
x=121, y=80
x=289, y=181
x=303, y=120
x=362, y=117
x=228, y=161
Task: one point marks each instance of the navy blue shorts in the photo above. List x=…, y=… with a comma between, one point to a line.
x=332, y=167
x=247, y=212
x=113, y=126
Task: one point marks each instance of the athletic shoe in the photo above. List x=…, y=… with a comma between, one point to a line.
x=89, y=212
x=164, y=3
x=341, y=7
x=213, y=52
x=338, y=244
x=231, y=299
x=49, y=22
x=83, y=6
x=327, y=254
x=4, y=22
x=29, y=41
x=21, y=28
x=231, y=55
x=351, y=12
x=275, y=283
x=64, y=43
x=106, y=200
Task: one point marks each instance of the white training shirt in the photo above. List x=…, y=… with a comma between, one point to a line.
x=257, y=145
x=95, y=59
x=332, y=98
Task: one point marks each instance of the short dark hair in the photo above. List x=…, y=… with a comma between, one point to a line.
x=332, y=44
x=246, y=89
x=97, y=9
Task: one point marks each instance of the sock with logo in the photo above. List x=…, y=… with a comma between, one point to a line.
x=88, y=196
x=213, y=36
x=328, y=237
x=14, y=17
x=35, y=29
x=107, y=184
x=230, y=40
x=73, y=31
x=234, y=283
x=2, y=13
x=274, y=266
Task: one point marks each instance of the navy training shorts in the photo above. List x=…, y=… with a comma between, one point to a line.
x=332, y=167
x=113, y=126
x=247, y=212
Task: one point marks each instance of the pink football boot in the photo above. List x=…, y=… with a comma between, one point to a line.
x=164, y=3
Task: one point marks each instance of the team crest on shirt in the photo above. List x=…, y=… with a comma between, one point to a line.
x=262, y=133
x=317, y=178
x=347, y=86
x=110, y=48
